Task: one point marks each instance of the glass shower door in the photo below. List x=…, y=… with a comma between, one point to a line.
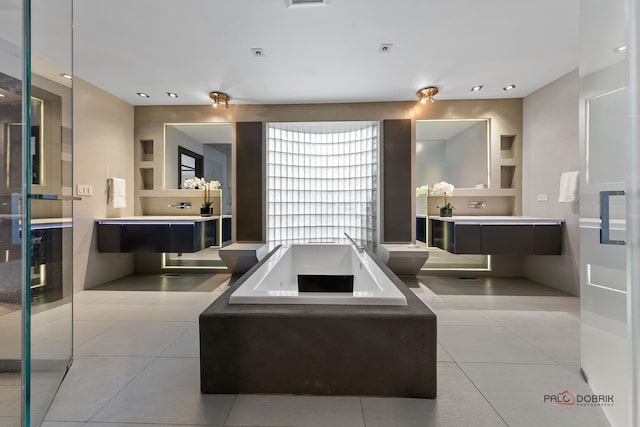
x=48, y=162
x=35, y=207
x=11, y=217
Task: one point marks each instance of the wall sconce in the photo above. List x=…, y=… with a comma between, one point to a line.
x=426, y=94
x=219, y=98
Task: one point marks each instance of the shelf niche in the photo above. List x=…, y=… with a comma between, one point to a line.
x=506, y=146
x=507, y=174
x=146, y=178
x=146, y=150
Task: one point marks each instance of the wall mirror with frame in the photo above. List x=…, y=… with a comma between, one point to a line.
x=200, y=150
x=455, y=151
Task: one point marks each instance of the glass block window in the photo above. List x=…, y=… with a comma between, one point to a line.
x=322, y=181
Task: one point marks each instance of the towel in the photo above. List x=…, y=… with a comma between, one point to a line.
x=117, y=193
x=568, y=187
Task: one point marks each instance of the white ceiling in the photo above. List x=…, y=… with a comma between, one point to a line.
x=316, y=54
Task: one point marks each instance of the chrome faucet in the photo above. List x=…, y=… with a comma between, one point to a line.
x=358, y=247
x=181, y=205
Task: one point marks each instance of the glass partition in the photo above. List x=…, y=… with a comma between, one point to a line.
x=12, y=266
x=35, y=207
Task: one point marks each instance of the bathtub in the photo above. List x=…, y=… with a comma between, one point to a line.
x=276, y=280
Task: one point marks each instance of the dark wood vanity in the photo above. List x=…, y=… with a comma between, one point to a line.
x=159, y=234
x=496, y=235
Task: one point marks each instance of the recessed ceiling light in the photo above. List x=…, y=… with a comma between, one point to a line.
x=509, y=87
x=66, y=76
x=142, y=94
x=257, y=51
x=385, y=48
x=172, y=95
x=620, y=49
x=294, y=3
x=476, y=88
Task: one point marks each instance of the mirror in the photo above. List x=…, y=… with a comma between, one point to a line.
x=202, y=150
x=455, y=151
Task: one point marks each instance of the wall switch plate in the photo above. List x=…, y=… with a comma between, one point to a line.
x=543, y=197
x=84, y=190
x=476, y=205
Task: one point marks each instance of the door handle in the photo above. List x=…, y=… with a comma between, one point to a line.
x=37, y=196
x=604, y=217
x=16, y=210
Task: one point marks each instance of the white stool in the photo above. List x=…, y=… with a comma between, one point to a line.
x=404, y=259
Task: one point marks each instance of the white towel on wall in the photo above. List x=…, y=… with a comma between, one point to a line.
x=569, y=187
x=117, y=193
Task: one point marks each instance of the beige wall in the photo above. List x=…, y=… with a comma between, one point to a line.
x=505, y=117
x=551, y=147
x=103, y=135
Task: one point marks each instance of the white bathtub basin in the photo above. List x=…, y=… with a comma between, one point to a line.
x=275, y=282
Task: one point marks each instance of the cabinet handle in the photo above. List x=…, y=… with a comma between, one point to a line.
x=604, y=217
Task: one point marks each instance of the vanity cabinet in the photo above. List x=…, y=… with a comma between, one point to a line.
x=496, y=235
x=226, y=228
x=421, y=229
x=148, y=235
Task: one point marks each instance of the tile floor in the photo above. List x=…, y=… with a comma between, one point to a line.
x=500, y=351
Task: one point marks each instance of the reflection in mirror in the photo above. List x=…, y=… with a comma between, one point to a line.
x=201, y=150
x=212, y=141
x=455, y=151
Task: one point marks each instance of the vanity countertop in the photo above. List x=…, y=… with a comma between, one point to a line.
x=157, y=219
x=497, y=220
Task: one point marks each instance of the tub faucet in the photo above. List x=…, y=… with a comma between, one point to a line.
x=358, y=247
x=181, y=205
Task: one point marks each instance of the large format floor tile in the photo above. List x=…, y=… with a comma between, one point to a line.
x=488, y=344
x=133, y=339
x=167, y=391
x=307, y=411
x=459, y=403
x=517, y=392
x=500, y=349
x=92, y=382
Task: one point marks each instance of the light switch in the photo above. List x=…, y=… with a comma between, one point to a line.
x=84, y=190
x=543, y=197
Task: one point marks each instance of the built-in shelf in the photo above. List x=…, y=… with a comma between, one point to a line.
x=507, y=174
x=506, y=146
x=146, y=178
x=146, y=150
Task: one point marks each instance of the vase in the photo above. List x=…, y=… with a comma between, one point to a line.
x=206, y=211
x=446, y=212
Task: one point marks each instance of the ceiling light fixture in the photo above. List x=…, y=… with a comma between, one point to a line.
x=142, y=94
x=2, y=95
x=509, y=87
x=426, y=94
x=385, y=48
x=66, y=76
x=620, y=49
x=172, y=95
x=476, y=88
x=257, y=51
x=219, y=98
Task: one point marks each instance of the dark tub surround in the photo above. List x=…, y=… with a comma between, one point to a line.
x=318, y=349
x=180, y=234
